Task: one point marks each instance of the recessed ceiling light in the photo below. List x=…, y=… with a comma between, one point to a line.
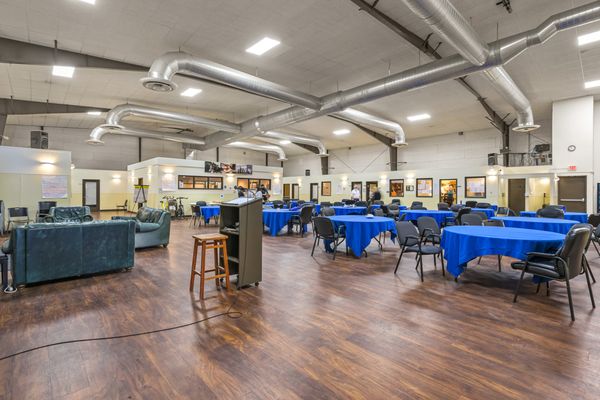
x=418, y=117
x=592, y=84
x=89, y=1
x=285, y=141
x=94, y=113
x=340, y=132
x=262, y=46
x=191, y=92
x=63, y=71
x=588, y=38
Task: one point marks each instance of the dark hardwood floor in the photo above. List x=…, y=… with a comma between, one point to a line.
x=313, y=329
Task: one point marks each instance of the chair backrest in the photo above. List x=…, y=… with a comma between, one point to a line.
x=494, y=222
x=443, y=206
x=483, y=215
x=348, y=202
x=338, y=204
x=45, y=206
x=461, y=212
x=456, y=207
x=327, y=212
x=550, y=212
x=483, y=205
x=405, y=229
x=587, y=226
x=378, y=212
x=17, y=212
x=201, y=203
x=594, y=220
x=511, y=213
x=471, y=219
x=325, y=204
x=323, y=227
x=380, y=202
x=395, y=201
x=416, y=203
x=195, y=209
x=306, y=214
x=555, y=206
x=573, y=248
x=418, y=208
x=428, y=224
x=471, y=203
x=502, y=211
x=300, y=202
x=393, y=207
x=361, y=204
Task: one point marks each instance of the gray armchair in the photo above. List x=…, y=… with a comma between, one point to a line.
x=152, y=227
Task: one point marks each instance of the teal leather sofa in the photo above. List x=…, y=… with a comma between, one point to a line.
x=48, y=251
x=152, y=227
x=69, y=214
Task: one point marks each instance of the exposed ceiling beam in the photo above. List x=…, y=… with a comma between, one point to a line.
x=424, y=46
x=382, y=138
x=308, y=147
x=27, y=107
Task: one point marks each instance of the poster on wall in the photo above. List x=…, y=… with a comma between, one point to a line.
x=475, y=187
x=424, y=187
x=276, y=187
x=396, y=187
x=448, y=190
x=243, y=169
x=326, y=188
x=340, y=187
x=227, y=168
x=168, y=183
x=212, y=167
x=55, y=187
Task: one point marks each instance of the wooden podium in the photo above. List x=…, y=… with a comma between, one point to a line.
x=241, y=221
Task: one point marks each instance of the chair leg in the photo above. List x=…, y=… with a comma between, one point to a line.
x=548, y=288
x=587, y=278
x=587, y=266
x=519, y=285
x=443, y=268
x=570, y=299
x=479, y=260
x=335, y=245
x=499, y=263
x=596, y=247
x=314, y=245
x=421, y=263
x=399, y=259
x=537, y=290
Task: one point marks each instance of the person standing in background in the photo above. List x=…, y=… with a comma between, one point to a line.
x=355, y=194
x=375, y=196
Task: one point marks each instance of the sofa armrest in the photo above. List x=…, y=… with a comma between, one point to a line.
x=124, y=218
x=6, y=247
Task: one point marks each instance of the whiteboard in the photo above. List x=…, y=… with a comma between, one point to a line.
x=55, y=187
x=168, y=183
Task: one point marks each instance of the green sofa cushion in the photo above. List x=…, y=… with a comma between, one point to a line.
x=147, y=227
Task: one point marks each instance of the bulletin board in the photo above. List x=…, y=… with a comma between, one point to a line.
x=55, y=187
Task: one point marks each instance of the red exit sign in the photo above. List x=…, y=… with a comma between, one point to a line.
x=572, y=168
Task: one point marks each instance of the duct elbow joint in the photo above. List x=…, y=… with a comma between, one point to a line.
x=161, y=72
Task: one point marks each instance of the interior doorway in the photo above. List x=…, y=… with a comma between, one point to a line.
x=359, y=184
x=371, y=187
x=295, y=191
x=286, y=190
x=572, y=193
x=516, y=195
x=91, y=194
x=314, y=191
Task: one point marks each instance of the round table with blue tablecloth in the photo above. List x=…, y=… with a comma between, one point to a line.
x=341, y=210
x=361, y=229
x=489, y=212
x=209, y=211
x=275, y=219
x=461, y=244
x=439, y=215
x=540, y=224
x=573, y=216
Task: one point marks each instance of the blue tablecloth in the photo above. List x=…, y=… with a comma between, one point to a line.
x=463, y=243
x=341, y=210
x=488, y=211
x=276, y=219
x=209, y=211
x=494, y=207
x=360, y=230
x=540, y=224
x=573, y=216
x=440, y=216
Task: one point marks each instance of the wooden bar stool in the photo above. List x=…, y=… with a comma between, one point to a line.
x=209, y=241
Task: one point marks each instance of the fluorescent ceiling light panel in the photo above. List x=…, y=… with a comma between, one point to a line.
x=95, y=113
x=262, y=46
x=63, y=71
x=89, y=1
x=418, y=117
x=592, y=84
x=588, y=38
x=285, y=141
x=340, y=132
x=191, y=92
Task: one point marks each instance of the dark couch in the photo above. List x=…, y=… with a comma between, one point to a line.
x=49, y=251
x=152, y=227
x=69, y=214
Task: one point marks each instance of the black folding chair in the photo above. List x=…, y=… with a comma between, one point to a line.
x=325, y=230
x=410, y=242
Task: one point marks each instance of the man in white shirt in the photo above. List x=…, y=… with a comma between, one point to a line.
x=355, y=194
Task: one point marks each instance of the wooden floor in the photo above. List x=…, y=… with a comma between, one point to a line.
x=313, y=329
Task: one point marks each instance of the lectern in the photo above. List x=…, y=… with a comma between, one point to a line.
x=241, y=221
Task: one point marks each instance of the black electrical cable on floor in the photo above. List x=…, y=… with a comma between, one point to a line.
x=228, y=313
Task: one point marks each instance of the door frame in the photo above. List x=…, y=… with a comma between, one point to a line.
x=585, y=198
x=314, y=185
x=367, y=191
x=83, y=182
x=360, y=186
x=295, y=187
x=287, y=189
x=508, y=202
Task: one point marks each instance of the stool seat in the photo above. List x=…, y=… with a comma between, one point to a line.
x=210, y=236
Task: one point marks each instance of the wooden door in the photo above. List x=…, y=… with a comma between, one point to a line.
x=371, y=187
x=572, y=193
x=359, y=184
x=314, y=191
x=91, y=194
x=286, y=190
x=516, y=195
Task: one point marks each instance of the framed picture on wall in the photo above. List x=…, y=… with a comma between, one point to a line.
x=424, y=187
x=448, y=190
x=396, y=187
x=475, y=187
x=410, y=188
x=326, y=188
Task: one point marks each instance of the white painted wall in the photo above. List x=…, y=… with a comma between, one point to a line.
x=573, y=124
x=113, y=187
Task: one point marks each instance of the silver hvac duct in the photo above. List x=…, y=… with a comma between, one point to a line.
x=452, y=27
x=118, y=113
x=165, y=67
x=501, y=52
x=267, y=148
x=297, y=139
x=99, y=132
x=360, y=117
